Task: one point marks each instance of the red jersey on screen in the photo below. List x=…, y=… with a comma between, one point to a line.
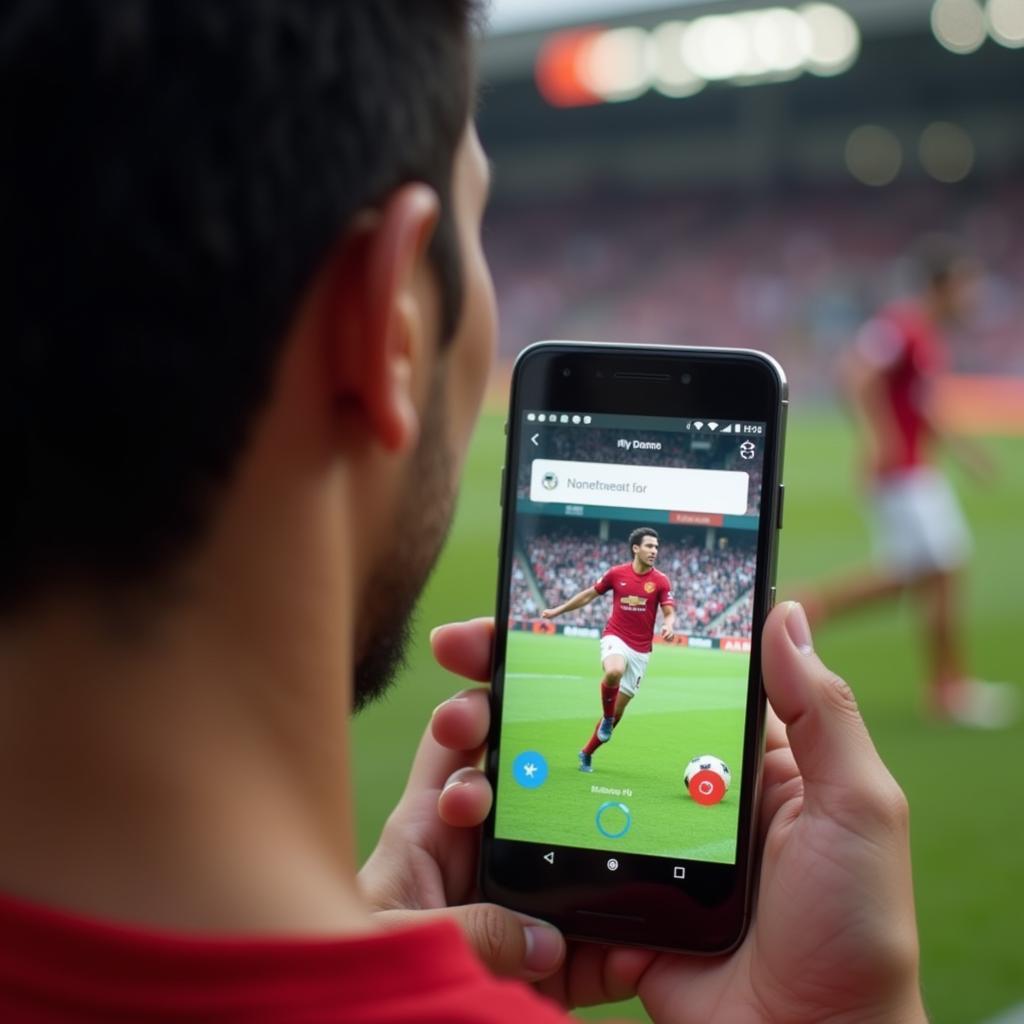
x=56, y=967
x=635, y=602
x=903, y=344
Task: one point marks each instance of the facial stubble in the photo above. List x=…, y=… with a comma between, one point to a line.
x=421, y=523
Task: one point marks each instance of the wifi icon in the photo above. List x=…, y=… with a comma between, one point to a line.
x=712, y=426
x=699, y=424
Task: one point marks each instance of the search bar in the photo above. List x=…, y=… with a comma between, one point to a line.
x=655, y=487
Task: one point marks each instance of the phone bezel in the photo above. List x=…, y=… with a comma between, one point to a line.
x=709, y=910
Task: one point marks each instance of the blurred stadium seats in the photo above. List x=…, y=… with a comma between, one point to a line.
x=793, y=275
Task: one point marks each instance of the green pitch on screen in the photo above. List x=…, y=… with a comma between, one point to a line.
x=691, y=702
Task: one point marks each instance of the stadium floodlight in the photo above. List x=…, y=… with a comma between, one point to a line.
x=946, y=151
x=780, y=41
x=835, y=39
x=558, y=69
x=716, y=47
x=581, y=67
x=959, y=25
x=1006, y=22
x=673, y=75
x=874, y=155
x=616, y=64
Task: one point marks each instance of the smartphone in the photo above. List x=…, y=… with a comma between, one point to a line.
x=642, y=503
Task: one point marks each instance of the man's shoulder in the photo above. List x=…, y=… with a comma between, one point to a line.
x=68, y=965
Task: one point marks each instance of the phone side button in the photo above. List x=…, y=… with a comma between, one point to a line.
x=501, y=493
x=771, y=599
x=782, y=500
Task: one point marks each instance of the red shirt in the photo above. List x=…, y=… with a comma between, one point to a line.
x=903, y=344
x=637, y=597
x=57, y=967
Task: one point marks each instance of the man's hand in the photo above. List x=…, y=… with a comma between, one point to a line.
x=667, y=632
x=425, y=860
x=833, y=936
x=550, y=613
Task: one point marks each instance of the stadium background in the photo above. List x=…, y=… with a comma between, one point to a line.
x=773, y=209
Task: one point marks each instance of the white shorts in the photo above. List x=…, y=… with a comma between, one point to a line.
x=636, y=663
x=918, y=525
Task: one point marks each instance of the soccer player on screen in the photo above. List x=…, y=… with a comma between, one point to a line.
x=639, y=590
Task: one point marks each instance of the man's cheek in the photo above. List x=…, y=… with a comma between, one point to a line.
x=474, y=357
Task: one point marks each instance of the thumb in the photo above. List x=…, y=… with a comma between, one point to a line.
x=509, y=944
x=827, y=735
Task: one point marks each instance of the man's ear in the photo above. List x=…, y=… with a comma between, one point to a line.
x=383, y=320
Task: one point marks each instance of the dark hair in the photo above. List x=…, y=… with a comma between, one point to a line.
x=637, y=536
x=937, y=258
x=173, y=175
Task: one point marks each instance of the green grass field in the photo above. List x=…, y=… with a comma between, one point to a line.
x=965, y=788
x=691, y=702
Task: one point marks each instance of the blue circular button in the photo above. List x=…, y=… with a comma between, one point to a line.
x=613, y=805
x=530, y=769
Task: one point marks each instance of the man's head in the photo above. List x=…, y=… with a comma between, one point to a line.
x=947, y=275
x=177, y=179
x=643, y=545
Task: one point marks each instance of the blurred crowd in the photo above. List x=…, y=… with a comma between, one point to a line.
x=793, y=276
x=712, y=588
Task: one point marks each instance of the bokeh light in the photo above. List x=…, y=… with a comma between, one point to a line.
x=874, y=155
x=673, y=76
x=946, y=151
x=835, y=39
x=717, y=47
x=959, y=25
x=1006, y=21
x=615, y=64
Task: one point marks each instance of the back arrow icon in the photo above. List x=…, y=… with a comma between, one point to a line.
x=534, y=439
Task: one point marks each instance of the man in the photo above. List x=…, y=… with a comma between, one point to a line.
x=638, y=591
x=921, y=537
x=247, y=314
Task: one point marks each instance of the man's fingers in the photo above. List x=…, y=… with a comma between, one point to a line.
x=465, y=800
x=462, y=721
x=780, y=783
x=827, y=735
x=774, y=731
x=509, y=944
x=465, y=648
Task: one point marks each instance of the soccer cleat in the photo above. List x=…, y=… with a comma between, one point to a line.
x=585, y=765
x=975, y=704
x=604, y=730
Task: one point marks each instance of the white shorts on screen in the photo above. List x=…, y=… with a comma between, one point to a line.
x=636, y=663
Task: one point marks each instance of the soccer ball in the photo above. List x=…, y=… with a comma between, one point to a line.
x=707, y=779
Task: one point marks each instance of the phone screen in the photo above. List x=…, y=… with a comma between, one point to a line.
x=623, y=715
